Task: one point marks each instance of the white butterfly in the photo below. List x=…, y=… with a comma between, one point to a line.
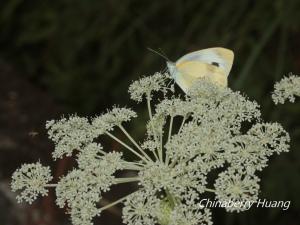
x=214, y=63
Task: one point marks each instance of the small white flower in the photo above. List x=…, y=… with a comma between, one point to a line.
x=155, y=126
x=210, y=102
x=140, y=209
x=235, y=185
x=172, y=107
x=244, y=151
x=204, y=88
x=31, y=180
x=83, y=212
x=115, y=117
x=159, y=177
x=186, y=139
x=147, y=85
x=88, y=182
x=151, y=145
x=205, y=139
x=272, y=136
x=190, y=215
x=90, y=155
x=70, y=134
x=77, y=188
x=286, y=89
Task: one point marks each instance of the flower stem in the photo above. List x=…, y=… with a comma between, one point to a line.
x=115, y=202
x=50, y=185
x=155, y=155
x=132, y=167
x=160, y=152
x=134, y=142
x=169, y=137
x=149, y=106
x=181, y=126
x=126, y=180
x=170, y=128
x=137, y=164
x=126, y=146
x=175, y=160
x=210, y=190
x=156, y=137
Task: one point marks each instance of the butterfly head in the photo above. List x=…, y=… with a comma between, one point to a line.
x=172, y=68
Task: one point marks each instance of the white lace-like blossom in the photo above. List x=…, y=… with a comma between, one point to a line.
x=80, y=191
x=203, y=90
x=172, y=107
x=271, y=136
x=190, y=215
x=141, y=208
x=155, y=125
x=151, y=145
x=115, y=117
x=246, y=152
x=186, y=138
x=235, y=185
x=286, y=89
x=70, y=134
x=83, y=212
x=31, y=180
x=205, y=140
x=89, y=157
x=158, y=177
x=251, y=150
x=147, y=85
x=215, y=103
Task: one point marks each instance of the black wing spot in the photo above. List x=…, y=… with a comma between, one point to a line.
x=215, y=64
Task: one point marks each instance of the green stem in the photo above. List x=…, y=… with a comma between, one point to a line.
x=182, y=123
x=135, y=164
x=169, y=137
x=149, y=106
x=160, y=153
x=123, y=180
x=170, y=128
x=50, y=185
x=115, y=202
x=171, y=199
x=134, y=142
x=132, y=167
x=126, y=146
x=210, y=190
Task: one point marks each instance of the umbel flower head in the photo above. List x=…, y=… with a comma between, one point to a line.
x=187, y=137
x=286, y=89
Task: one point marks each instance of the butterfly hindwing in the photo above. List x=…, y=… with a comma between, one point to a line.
x=220, y=57
x=190, y=71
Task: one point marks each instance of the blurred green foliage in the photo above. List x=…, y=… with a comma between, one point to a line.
x=85, y=53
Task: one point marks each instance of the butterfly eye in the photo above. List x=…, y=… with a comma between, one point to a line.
x=215, y=64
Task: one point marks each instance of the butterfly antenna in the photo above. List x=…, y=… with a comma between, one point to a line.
x=163, y=53
x=158, y=53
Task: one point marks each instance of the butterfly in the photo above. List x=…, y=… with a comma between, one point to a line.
x=214, y=63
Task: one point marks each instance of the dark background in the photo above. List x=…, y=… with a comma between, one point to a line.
x=75, y=56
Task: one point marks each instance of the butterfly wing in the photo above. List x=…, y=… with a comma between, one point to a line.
x=219, y=57
x=188, y=72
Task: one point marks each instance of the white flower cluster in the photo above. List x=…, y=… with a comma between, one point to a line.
x=286, y=89
x=69, y=135
x=146, y=86
x=187, y=138
x=115, y=117
x=237, y=185
x=31, y=180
